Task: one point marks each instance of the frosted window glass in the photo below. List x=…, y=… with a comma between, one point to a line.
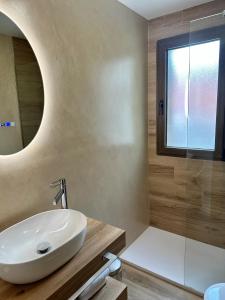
x=204, y=71
x=177, y=97
x=192, y=105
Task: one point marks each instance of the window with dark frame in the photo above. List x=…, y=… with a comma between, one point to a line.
x=191, y=95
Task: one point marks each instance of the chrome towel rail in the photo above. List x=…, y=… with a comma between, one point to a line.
x=97, y=281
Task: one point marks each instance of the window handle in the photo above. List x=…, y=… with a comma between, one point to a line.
x=161, y=107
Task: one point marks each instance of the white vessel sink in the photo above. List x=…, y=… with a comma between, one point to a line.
x=39, y=245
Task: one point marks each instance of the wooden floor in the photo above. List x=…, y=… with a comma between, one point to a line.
x=142, y=286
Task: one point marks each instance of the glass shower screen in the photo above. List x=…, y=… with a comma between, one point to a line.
x=205, y=180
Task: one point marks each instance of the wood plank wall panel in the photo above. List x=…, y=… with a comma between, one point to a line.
x=29, y=88
x=186, y=196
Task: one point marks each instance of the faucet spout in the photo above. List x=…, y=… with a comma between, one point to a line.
x=58, y=197
x=62, y=194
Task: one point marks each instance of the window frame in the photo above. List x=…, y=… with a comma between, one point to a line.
x=179, y=41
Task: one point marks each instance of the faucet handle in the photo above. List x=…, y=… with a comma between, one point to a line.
x=57, y=182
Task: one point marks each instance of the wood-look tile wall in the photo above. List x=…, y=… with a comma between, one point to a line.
x=186, y=196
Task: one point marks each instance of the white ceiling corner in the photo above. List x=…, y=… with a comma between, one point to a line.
x=151, y=9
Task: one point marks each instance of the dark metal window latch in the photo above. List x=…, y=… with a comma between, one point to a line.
x=161, y=107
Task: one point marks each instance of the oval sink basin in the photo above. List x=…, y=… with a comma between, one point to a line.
x=36, y=247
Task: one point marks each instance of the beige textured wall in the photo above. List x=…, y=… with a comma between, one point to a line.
x=10, y=137
x=93, y=57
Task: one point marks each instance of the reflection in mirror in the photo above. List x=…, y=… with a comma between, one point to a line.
x=21, y=89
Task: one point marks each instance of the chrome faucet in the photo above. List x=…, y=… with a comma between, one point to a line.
x=62, y=194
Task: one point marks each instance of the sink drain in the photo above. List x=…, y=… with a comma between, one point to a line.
x=43, y=248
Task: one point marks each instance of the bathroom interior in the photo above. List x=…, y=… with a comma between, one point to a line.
x=112, y=149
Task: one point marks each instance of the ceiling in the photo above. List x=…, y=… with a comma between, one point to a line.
x=151, y=9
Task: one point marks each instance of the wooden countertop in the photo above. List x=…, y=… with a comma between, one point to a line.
x=69, y=278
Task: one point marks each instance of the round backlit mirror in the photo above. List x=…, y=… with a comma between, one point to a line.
x=21, y=89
